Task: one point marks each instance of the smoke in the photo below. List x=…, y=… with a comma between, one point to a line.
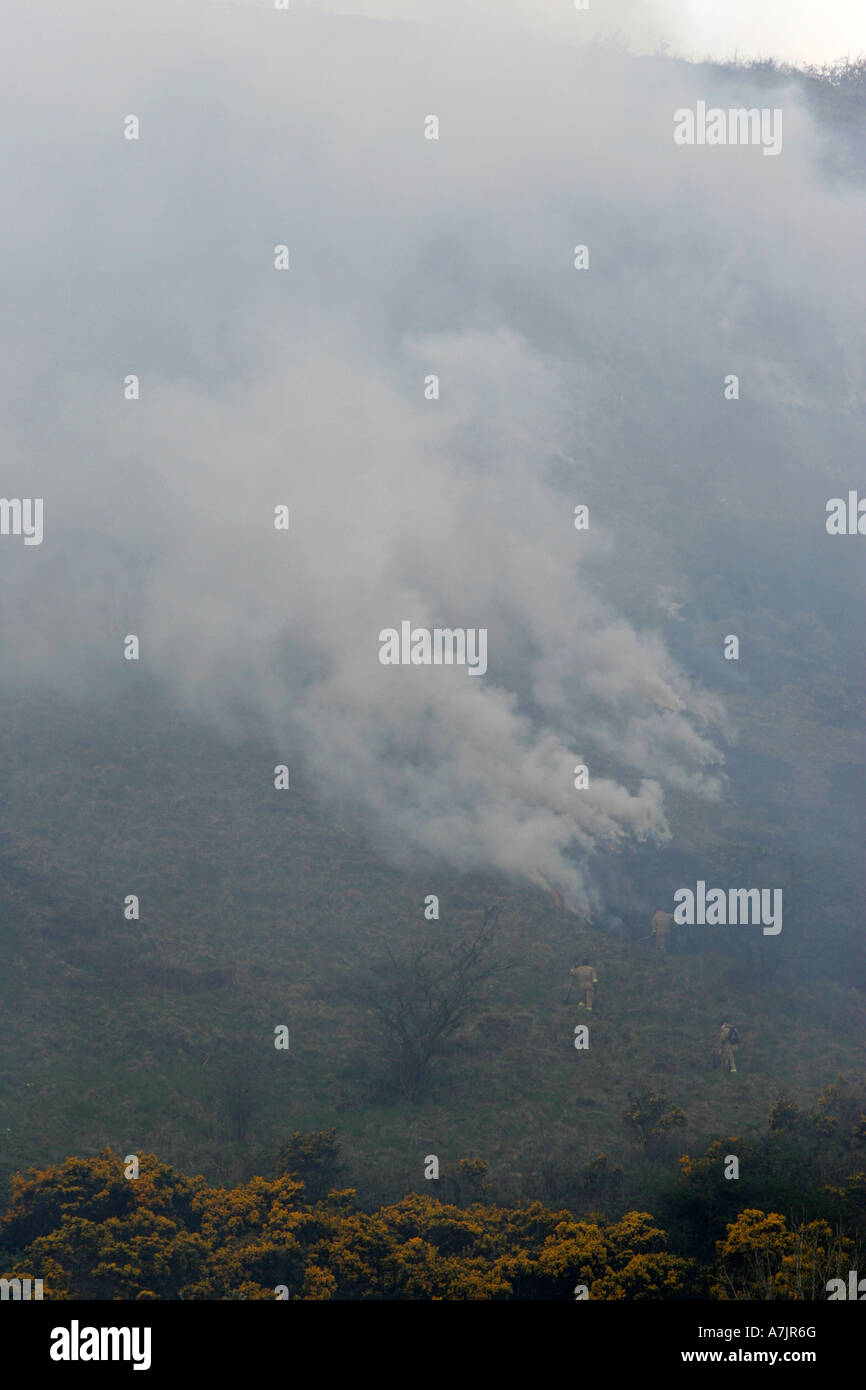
x=638, y=24
x=305, y=388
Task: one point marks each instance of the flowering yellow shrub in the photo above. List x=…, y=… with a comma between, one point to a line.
x=762, y=1257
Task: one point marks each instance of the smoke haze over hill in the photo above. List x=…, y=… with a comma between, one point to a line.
x=558, y=387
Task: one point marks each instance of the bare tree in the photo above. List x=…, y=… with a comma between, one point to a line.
x=423, y=996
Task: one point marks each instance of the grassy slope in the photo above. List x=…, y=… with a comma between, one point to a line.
x=255, y=910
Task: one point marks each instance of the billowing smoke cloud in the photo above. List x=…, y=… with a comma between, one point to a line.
x=408, y=258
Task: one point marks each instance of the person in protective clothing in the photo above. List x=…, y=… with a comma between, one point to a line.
x=661, y=926
x=728, y=1040
x=586, y=982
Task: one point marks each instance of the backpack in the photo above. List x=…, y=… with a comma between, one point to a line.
x=733, y=1037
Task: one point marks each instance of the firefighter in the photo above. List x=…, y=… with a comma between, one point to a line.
x=728, y=1040
x=661, y=926
x=586, y=982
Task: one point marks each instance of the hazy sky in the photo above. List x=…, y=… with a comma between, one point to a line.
x=805, y=31
x=802, y=31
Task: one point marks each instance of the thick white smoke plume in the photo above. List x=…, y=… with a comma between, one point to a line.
x=408, y=257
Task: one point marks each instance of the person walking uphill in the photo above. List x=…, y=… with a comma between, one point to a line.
x=661, y=927
x=586, y=982
x=728, y=1040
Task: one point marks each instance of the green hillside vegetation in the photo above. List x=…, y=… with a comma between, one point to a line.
x=258, y=910
x=101, y=1228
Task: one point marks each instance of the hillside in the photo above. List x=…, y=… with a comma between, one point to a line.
x=258, y=910
x=417, y=261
